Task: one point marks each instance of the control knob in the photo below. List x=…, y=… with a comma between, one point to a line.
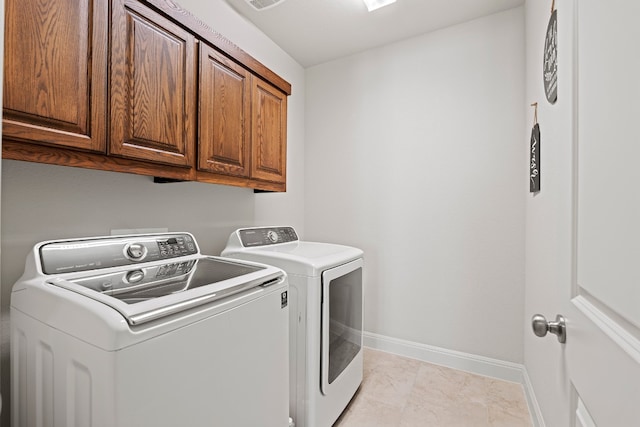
x=272, y=236
x=136, y=251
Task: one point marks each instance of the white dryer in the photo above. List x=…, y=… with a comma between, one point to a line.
x=326, y=317
x=144, y=331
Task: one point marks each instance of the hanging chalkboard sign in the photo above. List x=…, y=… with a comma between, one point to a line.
x=534, y=160
x=550, y=66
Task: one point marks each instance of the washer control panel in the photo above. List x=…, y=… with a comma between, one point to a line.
x=176, y=246
x=71, y=256
x=264, y=236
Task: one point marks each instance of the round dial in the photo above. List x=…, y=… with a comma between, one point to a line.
x=272, y=236
x=136, y=251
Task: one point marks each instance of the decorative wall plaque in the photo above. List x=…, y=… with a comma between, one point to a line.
x=550, y=66
x=534, y=160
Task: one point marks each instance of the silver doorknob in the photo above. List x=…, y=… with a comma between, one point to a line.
x=541, y=327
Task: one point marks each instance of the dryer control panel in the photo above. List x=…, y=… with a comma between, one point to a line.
x=264, y=236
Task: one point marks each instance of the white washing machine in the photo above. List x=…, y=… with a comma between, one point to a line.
x=144, y=331
x=326, y=317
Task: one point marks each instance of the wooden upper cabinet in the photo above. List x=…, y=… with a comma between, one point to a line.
x=55, y=72
x=268, y=133
x=224, y=114
x=139, y=86
x=153, y=87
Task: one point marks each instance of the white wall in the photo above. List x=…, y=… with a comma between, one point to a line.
x=40, y=202
x=414, y=152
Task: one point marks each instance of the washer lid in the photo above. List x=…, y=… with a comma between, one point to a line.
x=153, y=291
x=300, y=258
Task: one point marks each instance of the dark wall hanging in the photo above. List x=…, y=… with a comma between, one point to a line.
x=550, y=65
x=534, y=154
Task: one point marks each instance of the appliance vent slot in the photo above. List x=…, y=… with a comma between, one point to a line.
x=263, y=4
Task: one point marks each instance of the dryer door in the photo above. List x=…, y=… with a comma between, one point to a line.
x=341, y=321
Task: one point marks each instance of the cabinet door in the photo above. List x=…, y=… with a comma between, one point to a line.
x=55, y=67
x=224, y=113
x=153, y=92
x=268, y=133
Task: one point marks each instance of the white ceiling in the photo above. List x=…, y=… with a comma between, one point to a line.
x=316, y=31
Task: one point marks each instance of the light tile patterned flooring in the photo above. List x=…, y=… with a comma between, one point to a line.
x=401, y=392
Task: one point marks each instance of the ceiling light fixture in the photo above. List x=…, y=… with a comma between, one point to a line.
x=377, y=4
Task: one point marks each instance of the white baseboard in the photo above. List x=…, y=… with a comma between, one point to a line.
x=534, y=407
x=507, y=371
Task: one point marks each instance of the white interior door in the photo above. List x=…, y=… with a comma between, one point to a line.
x=603, y=314
x=583, y=228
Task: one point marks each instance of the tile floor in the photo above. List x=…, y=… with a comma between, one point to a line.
x=401, y=392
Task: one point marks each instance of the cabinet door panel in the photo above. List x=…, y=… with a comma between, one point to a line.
x=269, y=133
x=55, y=69
x=153, y=87
x=225, y=103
